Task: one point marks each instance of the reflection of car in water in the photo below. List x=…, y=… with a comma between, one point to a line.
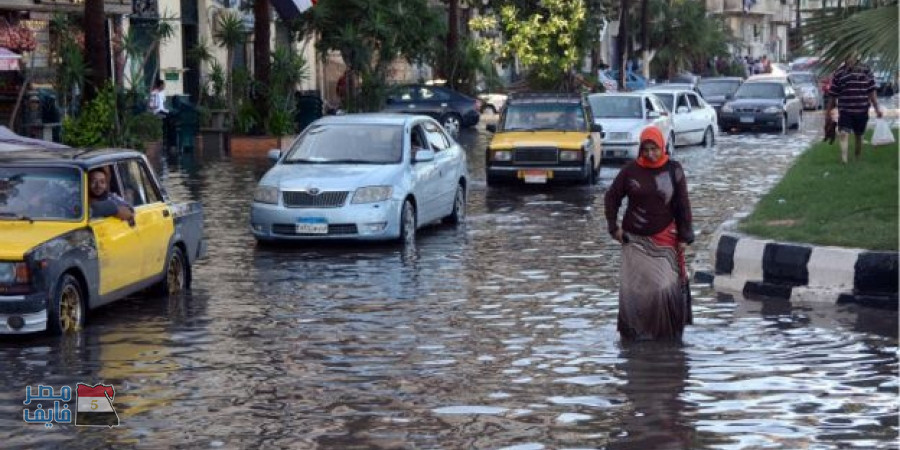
x=57, y=262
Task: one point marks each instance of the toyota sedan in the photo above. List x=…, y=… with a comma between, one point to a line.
x=362, y=176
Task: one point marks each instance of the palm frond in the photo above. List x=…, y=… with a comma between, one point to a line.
x=870, y=33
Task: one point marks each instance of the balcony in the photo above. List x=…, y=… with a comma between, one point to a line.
x=760, y=8
x=112, y=7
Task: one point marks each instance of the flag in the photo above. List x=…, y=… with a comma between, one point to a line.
x=94, y=406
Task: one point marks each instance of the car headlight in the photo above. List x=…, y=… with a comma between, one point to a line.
x=372, y=194
x=726, y=108
x=14, y=273
x=570, y=155
x=772, y=110
x=266, y=194
x=502, y=155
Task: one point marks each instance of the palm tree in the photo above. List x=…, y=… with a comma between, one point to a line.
x=95, y=47
x=261, y=39
x=230, y=34
x=869, y=31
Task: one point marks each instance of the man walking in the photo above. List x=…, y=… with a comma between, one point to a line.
x=852, y=89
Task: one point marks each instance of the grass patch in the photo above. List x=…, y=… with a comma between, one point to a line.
x=821, y=201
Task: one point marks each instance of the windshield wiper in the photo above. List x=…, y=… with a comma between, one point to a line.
x=15, y=216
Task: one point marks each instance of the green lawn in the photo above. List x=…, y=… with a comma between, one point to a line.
x=821, y=201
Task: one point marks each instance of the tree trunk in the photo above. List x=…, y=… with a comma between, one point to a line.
x=622, y=43
x=261, y=39
x=799, y=32
x=95, y=47
x=118, y=52
x=452, y=41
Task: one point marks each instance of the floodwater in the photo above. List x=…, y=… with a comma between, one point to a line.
x=497, y=334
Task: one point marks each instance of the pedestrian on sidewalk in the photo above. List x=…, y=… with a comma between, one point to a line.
x=852, y=90
x=654, y=301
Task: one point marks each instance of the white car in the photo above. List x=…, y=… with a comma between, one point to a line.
x=362, y=176
x=492, y=102
x=623, y=117
x=694, y=121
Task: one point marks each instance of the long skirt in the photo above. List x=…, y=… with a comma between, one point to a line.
x=652, y=300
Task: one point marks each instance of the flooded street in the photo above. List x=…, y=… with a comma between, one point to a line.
x=498, y=334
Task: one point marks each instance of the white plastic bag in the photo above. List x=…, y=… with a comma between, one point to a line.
x=882, y=134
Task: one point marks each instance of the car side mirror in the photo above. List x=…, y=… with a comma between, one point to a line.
x=274, y=155
x=653, y=114
x=596, y=128
x=491, y=128
x=683, y=110
x=424, y=155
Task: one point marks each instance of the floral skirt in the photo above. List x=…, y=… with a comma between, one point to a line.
x=652, y=301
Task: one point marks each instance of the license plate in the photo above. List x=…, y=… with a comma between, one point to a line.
x=746, y=119
x=312, y=225
x=535, y=176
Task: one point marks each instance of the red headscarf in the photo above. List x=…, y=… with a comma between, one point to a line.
x=652, y=134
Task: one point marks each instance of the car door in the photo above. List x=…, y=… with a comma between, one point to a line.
x=402, y=99
x=119, y=251
x=447, y=164
x=681, y=120
x=426, y=179
x=434, y=102
x=664, y=119
x=153, y=220
x=699, y=118
x=794, y=105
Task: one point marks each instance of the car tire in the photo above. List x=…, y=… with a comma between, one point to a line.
x=670, y=145
x=451, y=121
x=408, y=224
x=176, y=277
x=66, y=312
x=709, y=138
x=458, y=215
x=799, y=123
x=783, y=128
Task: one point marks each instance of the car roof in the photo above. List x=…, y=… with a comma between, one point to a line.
x=671, y=90
x=83, y=158
x=767, y=77
x=369, y=119
x=642, y=94
x=543, y=97
x=715, y=79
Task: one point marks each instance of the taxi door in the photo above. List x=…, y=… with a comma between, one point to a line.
x=120, y=252
x=595, y=138
x=154, y=221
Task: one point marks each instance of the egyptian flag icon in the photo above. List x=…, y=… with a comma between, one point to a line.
x=94, y=406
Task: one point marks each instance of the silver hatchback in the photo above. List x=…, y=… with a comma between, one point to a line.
x=362, y=176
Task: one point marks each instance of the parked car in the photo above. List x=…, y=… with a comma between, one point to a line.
x=693, y=120
x=451, y=108
x=807, y=86
x=624, y=116
x=763, y=104
x=57, y=262
x=544, y=137
x=492, y=101
x=716, y=91
x=633, y=81
x=364, y=177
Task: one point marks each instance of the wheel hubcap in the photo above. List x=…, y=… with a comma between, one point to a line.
x=176, y=275
x=70, y=309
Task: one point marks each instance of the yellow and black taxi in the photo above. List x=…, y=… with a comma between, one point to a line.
x=542, y=137
x=58, y=260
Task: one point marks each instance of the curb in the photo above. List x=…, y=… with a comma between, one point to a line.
x=757, y=267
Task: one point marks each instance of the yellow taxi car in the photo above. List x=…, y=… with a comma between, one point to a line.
x=542, y=137
x=58, y=260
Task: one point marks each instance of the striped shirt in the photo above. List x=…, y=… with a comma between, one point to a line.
x=851, y=86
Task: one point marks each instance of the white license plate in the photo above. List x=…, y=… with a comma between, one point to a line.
x=312, y=225
x=746, y=119
x=535, y=176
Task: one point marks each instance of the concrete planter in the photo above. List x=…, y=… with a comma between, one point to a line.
x=256, y=146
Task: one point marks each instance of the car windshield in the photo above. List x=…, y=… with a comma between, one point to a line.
x=719, y=88
x=348, y=144
x=803, y=78
x=667, y=99
x=40, y=193
x=543, y=116
x=760, y=90
x=613, y=107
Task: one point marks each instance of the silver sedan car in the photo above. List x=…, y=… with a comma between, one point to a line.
x=362, y=176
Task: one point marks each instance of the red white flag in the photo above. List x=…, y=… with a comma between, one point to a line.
x=94, y=406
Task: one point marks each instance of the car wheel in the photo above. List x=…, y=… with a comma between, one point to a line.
x=458, y=215
x=67, y=312
x=797, y=125
x=408, y=224
x=783, y=126
x=670, y=145
x=176, y=279
x=709, y=138
x=451, y=122
x=595, y=172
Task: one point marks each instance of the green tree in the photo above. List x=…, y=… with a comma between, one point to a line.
x=683, y=36
x=230, y=34
x=262, y=19
x=869, y=31
x=369, y=36
x=543, y=38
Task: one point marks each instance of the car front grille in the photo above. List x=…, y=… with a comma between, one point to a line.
x=747, y=109
x=303, y=199
x=536, y=155
x=334, y=229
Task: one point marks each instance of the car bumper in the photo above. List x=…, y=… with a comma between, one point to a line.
x=551, y=172
x=749, y=120
x=21, y=314
x=619, y=152
x=368, y=221
x=810, y=102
